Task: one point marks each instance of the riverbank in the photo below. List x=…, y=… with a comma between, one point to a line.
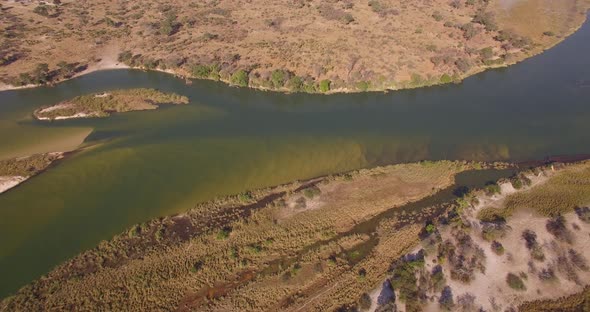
x=16, y=171
x=285, y=240
x=453, y=42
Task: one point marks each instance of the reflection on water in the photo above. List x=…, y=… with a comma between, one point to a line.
x=228, y=140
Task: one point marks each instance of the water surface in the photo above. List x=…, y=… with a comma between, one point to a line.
x=143, y=165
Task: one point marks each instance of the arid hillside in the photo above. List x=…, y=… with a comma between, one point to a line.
x=293, y=45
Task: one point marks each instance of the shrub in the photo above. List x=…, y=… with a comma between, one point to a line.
x=325, y=86
x=497, y=248
x=431, y=228
x=66, y=69
x=169, y=25
x=295, y=84
x=347, y=18
x=530, y=238
x=583, y=213
x=201, y=71
x=446, y=298
x=42, y=10
x=578, y=260
x=312, y=192
x=437, y=16
x=376, y=6
x=556, y=226
x=278, y=78
x=365, y=301
x=362, y=86
x=224, y=232
x=515, y=282
x=240, y=78
x=469, y=31
x=445, y=78
x=125, y=57
x=463, y=65
x=547, y=274
x=549, y=34
x=486, y=19
x=486, y=53
x=492, y=189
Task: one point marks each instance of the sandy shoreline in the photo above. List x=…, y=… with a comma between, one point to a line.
x=108, y=63
x=8, y=182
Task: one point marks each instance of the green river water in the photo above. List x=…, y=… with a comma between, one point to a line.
x=142, y=165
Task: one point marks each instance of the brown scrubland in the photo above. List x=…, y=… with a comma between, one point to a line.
x=294, y=45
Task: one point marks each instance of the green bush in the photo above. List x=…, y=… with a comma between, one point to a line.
x=201, y=71
x=240, y=78
x=486, y=53
x=295, y=84
x=515, y=282
x=278, y=78
x=445, y=78
x=362, y=86
x=325, y=85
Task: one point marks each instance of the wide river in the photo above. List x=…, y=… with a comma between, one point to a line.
x=143, y=165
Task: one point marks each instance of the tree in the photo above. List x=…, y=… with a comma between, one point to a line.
x=41, y=73
x=362, y=86
x=201, y=71
x=446, y=79
x=446, y=298
x=240, y=78
x=66, y=69
x=486, y=53
x=295, y=84
x=169, y=26
x=278, y=78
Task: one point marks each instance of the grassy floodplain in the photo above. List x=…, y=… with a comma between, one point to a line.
x=272, y=248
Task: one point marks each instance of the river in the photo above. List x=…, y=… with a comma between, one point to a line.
x=141, y=165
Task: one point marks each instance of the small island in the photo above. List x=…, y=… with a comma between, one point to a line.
x=106, y=103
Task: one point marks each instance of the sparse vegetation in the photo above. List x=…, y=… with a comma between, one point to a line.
x=101, y=105
x=515, y=282
x=213, y=33
x=250, y=248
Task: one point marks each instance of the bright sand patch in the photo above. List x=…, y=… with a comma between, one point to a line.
x=7, y=183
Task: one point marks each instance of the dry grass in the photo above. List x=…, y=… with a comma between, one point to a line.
x=573, y=303
x=240, y=254
x=283, y=45
x=27, y=166
x=560, y=194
